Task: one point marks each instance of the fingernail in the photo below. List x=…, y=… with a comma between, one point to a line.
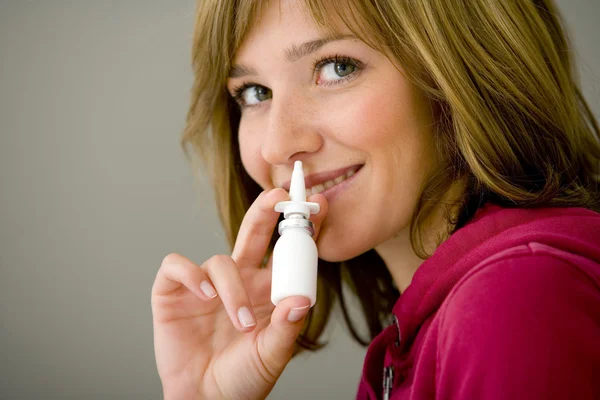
x=297, y=313
x=208, y=289
x=246, y=318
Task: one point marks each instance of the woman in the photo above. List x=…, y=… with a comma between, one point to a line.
x=456, y=165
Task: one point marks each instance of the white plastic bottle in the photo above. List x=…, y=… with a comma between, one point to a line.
x=295, y=255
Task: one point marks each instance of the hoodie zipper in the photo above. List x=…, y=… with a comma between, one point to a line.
x=388, y=381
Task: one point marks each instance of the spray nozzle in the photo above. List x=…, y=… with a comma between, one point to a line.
x=297, y=205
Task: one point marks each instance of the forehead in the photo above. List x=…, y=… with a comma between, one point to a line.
x=284, y=22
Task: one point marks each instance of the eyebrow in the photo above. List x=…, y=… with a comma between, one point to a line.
x=292, y=54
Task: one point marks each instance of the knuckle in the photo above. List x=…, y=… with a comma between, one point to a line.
x=172, y=258
x=217, y=261
x=265, y=366
x=220, y=259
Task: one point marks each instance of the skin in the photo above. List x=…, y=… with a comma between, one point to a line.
x=375, y=118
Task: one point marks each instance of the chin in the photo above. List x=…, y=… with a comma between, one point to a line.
x=332, y=249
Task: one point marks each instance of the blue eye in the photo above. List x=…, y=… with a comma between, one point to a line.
x=250, y=94
x=335, y=70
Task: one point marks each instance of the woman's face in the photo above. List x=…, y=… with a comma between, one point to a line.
x=340, y=107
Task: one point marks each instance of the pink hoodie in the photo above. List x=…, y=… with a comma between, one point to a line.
x=507, y=308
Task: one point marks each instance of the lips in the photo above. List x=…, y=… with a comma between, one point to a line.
x=322, y=177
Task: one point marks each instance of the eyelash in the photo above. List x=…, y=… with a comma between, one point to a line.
x=319, y=63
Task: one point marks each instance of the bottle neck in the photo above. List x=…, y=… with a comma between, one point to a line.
x=296, y=223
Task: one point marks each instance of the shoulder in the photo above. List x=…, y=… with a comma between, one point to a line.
x=529, y=315
x=523, y=325
x=533, y=276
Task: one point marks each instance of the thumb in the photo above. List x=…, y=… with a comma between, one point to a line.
x=279, y=337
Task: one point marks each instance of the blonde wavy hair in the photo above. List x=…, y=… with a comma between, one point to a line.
x=510, y=118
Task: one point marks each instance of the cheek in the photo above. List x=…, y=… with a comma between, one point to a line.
x=250, y=153
x=391, y=125
x=373, y=118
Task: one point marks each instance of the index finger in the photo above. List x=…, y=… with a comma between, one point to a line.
x=257, y=228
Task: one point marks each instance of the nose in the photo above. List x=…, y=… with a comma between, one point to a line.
x=291, y=133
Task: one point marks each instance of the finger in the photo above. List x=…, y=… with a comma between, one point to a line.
x=276, y=344
x=257, y=228
x=225, y=276
x=177, y=271
x=317, y=219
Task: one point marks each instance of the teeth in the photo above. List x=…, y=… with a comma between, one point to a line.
x=318, y=188
x=326, y=185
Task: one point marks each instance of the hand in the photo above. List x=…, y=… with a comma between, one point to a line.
x=216, y=333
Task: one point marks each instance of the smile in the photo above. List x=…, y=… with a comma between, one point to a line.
x=323, y=181
x=318, y=188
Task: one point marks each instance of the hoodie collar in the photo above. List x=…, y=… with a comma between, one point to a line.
x=468, y=246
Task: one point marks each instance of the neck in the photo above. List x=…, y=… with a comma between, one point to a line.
x=397, y=252
x=400, y=259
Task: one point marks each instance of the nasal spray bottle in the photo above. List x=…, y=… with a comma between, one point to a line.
x=295, y=254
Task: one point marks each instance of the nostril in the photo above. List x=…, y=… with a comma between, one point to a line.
x=299, y=156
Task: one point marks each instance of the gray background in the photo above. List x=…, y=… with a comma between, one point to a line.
x=94, y=192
